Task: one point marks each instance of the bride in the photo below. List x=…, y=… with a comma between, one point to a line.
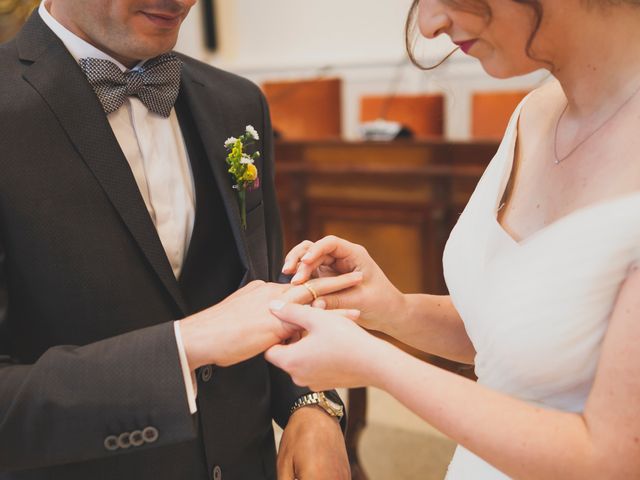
x=542, y=266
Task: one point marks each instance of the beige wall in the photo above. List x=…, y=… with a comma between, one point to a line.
x=358, y=40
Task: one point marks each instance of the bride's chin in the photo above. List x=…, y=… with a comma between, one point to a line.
x=501, y=70
x=498, y=67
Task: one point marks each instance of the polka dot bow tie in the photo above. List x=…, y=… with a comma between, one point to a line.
x=156, y=83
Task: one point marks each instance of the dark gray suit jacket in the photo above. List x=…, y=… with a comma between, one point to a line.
x=87, y=295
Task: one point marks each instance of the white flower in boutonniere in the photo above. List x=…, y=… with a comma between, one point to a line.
x=253, y=132
x=242, y=167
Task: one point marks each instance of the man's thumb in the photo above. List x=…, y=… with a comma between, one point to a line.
x=341, y=301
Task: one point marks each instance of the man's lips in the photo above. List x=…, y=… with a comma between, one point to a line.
x=466, y=45
x=164, y=20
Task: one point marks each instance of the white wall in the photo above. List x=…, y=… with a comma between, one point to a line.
x=268, y=33
x=361, y=41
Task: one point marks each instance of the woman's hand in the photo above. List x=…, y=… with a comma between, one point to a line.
x=334, y=353
x=378, y=300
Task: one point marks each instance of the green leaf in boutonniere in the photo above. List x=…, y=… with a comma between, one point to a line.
x=242, y=167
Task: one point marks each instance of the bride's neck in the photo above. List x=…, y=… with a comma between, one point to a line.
x=597, y=60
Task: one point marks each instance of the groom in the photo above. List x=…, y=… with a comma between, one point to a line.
x=117, y=218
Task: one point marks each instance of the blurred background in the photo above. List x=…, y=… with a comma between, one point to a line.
x=336, y=74
x=369, y=148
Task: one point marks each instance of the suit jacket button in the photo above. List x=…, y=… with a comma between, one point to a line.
x=150, y=434
x=136, y=438
x=217, y=473
x=206, y=373
x=123, y=440
x=111, y=443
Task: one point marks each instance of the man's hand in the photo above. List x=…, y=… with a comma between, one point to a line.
x=312, y=447
x=242, y=326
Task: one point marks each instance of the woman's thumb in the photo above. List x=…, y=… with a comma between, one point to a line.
x=276, y=355
x=295, y=314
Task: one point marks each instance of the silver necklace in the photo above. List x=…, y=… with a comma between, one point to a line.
x=559, y=159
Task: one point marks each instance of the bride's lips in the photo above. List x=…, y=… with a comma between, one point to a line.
x=466, y=45
x=163, y=20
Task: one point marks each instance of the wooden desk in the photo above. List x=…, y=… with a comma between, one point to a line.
x=398, y=199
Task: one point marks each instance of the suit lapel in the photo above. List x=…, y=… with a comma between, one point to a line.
x=60, y=82
x=211, y=121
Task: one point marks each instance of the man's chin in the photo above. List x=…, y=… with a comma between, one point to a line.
x=135, y=56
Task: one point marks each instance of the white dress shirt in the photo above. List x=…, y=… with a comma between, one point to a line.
x=156, y=152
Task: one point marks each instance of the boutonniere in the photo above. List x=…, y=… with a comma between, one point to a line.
x=242, y=167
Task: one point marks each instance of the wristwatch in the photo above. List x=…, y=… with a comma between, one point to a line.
x=319, y=399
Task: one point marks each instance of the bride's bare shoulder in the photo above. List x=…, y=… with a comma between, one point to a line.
x=541, y=108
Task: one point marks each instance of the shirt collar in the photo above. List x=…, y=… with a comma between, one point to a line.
x=77, y=47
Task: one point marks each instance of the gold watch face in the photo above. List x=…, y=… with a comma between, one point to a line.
x=332, y=407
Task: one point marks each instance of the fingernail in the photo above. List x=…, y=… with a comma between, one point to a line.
x=320, y=304
x=285, y=267
x=306, y=256
x=354, y=313
x=296, y=278
x=357, y=274
x=276, y=305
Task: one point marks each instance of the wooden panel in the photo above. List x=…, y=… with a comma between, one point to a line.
x=13, y=14
x=491, y=112
x=380, y=234
x=400, y=200
x=306, y=109
x=416, y=187
x=422, y=114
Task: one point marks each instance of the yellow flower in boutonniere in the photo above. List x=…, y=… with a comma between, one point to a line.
x=242, y=167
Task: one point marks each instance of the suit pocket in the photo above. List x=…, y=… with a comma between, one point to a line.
x=257, y=242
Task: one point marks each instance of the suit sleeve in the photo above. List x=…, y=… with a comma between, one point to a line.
x=284, y=392
x=76, y=403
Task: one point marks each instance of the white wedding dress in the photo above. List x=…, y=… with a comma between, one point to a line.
x=536, y=310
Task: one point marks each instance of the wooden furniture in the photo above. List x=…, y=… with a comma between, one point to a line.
x=306, y=109
x=398, y=199
x=13, y=14
x=491, y=112
x=422, y=114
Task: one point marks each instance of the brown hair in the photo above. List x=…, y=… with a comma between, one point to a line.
x=474, y=6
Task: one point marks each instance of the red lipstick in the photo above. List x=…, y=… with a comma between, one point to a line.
x=466, y=45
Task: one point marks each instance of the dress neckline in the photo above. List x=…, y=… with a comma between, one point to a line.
x=507, y=171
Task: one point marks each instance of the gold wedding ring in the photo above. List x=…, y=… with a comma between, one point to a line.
x=313, y=293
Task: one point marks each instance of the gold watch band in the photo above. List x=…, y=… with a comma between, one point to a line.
x=319, y=399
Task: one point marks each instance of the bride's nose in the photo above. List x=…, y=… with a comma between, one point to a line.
x=433, y=19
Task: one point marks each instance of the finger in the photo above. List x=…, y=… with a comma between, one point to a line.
x=300, y=315
x=326, y=285
x=298, y=294
x=338, y=301
x=288, y=331
x=277, y=355
x=351, y=314
x=325, y=271
x=293, y=257
x=311, y=290
x=296, y=337
x=305, y=271
x=330, y=250
x=331, y=245
x=319, y=303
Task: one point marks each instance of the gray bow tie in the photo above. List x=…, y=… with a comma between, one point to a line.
x=156, y=83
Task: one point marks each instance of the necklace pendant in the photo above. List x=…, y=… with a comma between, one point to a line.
x=557, y=161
